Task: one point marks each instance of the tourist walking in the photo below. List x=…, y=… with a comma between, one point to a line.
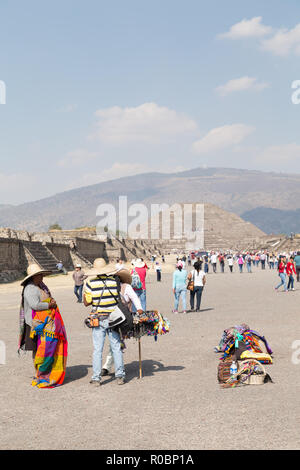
x=230, y=262
x=290, y=271
x=213, y=260
x=240, y=263
x=297, y=264
x=79, y=278
x=248, y=260
x=222, y=262
x=197, y=276
x=42, y=330
x=158, y=271
x=101, y=294
x=179, y=286
x=282, y=274
x=206, y=265
x=140, y=269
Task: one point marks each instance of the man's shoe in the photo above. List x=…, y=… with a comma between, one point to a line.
x=120, y=381
x=95, y=382
x=104, y=372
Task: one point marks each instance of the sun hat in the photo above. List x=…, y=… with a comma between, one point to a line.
x=124, y=275
x=139, y=263
x=33, y=270
x=78, y=265
x=100, y=267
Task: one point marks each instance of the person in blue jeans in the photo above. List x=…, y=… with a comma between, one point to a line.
x=100, y=294
x=179, y=287
x=199, y=279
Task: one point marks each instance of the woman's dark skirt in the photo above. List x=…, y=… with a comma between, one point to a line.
x=29, y=343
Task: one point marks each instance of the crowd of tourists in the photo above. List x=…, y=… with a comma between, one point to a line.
x=214, y=261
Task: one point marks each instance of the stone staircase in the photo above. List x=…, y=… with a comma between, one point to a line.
x=78, y=258
x=42, y=256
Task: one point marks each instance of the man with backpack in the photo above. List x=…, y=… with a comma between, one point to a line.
x=128, y=297
x=101, y=294
x=138, y=274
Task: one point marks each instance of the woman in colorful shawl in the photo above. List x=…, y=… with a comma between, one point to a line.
x=42, y=330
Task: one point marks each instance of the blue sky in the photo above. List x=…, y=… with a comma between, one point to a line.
x=98, y=90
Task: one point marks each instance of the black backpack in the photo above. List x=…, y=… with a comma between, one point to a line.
x=127, y=324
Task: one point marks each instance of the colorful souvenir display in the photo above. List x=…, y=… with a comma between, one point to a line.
x=150, y=323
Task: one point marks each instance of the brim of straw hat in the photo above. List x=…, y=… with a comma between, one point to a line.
x=43, y=272
x=124, y=276
x=97, y=272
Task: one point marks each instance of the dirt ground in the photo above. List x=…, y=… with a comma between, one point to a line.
x=178, y=403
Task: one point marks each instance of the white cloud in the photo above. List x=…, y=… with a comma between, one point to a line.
x=222, y=137
x=283, y=42
x=253, y=28
x=76, y=158
x=241, y=84
x=145, y=123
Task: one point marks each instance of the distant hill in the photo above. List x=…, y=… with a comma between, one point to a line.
x=274, y=220
x=237, y=191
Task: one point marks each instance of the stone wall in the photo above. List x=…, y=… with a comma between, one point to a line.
x=91, y=249
x=61, y=252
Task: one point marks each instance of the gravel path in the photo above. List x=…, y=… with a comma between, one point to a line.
x=178, y=404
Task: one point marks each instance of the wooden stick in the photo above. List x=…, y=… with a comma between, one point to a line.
x=140, y=359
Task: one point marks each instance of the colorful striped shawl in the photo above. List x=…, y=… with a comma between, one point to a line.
x=52, y=348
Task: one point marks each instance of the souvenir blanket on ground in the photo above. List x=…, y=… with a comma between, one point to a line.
x=233, y=337
x=52, y=348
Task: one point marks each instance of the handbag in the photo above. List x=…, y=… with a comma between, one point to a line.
x=191, y=283
x=92, y=321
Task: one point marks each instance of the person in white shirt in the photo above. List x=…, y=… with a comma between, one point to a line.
x=199, y=279
x=213, y=260
x=129, y=297
x=119, y=264
x=230, y=262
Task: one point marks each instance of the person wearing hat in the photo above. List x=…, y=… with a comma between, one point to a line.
x=79, y=278
x=141, y=269
x=42, y=330
x=101, y=293
x=34, y=294
x=129, y=297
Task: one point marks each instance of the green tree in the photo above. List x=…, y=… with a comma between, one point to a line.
x=55, y=226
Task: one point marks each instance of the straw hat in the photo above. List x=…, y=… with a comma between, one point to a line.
x=34, y=270
x=100, y=267
x=124, y=275
x=139, y=263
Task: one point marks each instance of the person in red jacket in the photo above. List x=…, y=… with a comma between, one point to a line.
x=282, y=274
x=290, y=271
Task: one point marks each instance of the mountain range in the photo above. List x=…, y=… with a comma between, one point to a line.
x=253, y=195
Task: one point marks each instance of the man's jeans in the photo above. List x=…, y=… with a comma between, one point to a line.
x=141, y=293
x=249, y=268
x=181, y=291
x=99, y=334
x=78, y=292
